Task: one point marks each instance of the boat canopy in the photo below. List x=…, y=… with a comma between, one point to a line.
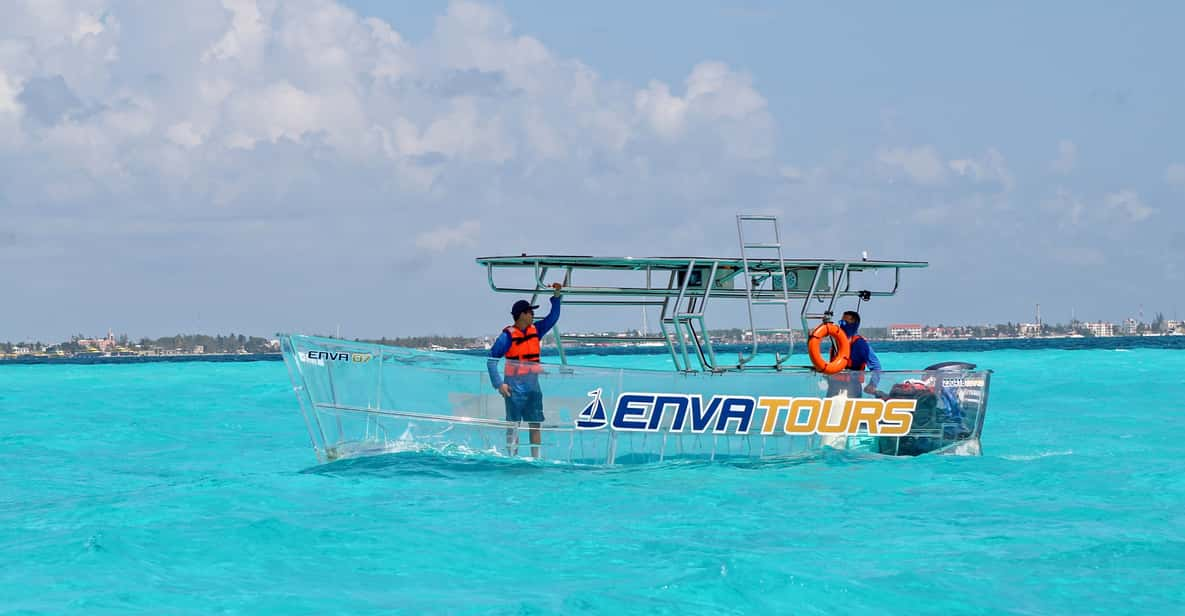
x=681, y=287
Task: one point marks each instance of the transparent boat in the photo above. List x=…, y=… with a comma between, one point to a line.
x=365, y=399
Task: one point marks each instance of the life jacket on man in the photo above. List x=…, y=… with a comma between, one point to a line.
x=851, y=366
x=523, y=357
x=850, y=329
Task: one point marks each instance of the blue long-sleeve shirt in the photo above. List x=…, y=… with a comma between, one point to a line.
x=862, y=353
x=502, y=345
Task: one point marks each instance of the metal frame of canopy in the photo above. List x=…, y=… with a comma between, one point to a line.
x=692, y=281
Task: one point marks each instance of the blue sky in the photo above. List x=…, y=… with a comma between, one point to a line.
x=260, y=166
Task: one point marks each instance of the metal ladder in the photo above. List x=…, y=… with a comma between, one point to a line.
x=754, y=279
x=683, y=319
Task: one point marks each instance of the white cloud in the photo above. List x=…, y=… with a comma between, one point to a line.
x=245, y=38
x=988, y=168
x=464, y=133
x=10, y=114
x=718, y=92
x=925, y=166
x=247, y=75
x=43, y=39
x=1067, y=157
x=8, y=94
x=665, y=113
x=544, y=139
x=1129, y=204
x=184, y=134
x=87, y=25
x=1125, y=205
x=1065, y=206
x=716, y=100
x=443, y=238
x=922, y=165
x=278, y=110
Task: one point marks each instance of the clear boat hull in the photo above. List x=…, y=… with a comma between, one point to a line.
x=365, y=399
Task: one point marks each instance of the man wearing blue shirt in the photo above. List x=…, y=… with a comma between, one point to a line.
x=860, y=357
x=520, y=344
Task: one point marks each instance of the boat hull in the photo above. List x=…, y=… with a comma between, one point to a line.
x=363, y=399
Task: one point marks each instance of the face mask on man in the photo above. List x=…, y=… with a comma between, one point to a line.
x=849, y=328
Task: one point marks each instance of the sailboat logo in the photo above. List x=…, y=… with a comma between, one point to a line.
x=593, y=415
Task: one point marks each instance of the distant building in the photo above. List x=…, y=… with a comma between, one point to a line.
x=1131, y=327
x=1172, y=326
x=937, y=332
x=905, y=331
x=1100, y=329
x=104, y=345
x=1030, y=330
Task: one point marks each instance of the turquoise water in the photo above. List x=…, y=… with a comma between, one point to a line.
x=192, y=489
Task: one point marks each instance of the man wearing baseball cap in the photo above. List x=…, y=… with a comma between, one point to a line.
x=519, y=343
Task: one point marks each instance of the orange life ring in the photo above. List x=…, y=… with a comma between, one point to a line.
x=843, y=348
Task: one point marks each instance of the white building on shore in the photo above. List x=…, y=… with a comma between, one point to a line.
x=1101, y=329
x=1029, y=330
x=905, y=331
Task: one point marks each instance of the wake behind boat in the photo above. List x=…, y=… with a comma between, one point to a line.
x=364, y=399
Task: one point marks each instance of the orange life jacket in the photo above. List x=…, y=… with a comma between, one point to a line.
x=523, y=356
x=851, y=366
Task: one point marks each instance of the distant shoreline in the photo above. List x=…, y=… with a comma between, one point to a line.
x=144, y=359
x=903, y=346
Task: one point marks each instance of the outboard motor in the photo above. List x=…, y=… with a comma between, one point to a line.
x=937, y=418
x=952, y=365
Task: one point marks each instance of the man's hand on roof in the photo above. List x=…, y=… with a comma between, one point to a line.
x=557, y=286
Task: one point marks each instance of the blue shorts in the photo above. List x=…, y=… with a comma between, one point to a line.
x=525, y=406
